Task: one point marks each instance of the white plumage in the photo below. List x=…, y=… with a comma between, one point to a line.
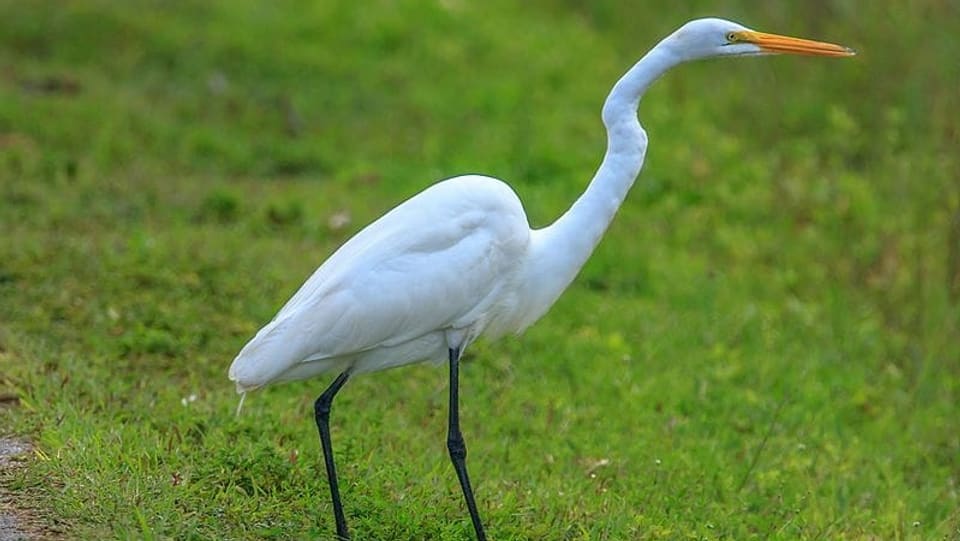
x=431, y=274
x=459, y=260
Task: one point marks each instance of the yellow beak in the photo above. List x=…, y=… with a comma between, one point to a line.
x=775, y=43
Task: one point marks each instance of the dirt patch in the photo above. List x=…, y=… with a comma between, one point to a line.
x=12, y=451
x=10, y=529
x=17, y=522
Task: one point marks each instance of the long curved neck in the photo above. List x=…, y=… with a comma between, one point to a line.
x=581, y=227
x=559, y=251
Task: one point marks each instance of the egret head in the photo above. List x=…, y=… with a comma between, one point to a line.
x=703, y=38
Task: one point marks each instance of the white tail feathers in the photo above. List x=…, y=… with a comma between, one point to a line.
x=265, y=358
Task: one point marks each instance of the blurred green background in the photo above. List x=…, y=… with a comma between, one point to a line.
x=766, y=345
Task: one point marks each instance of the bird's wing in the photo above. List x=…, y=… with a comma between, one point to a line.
x=439, y=261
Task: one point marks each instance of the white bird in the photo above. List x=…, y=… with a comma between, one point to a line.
x=459, y=260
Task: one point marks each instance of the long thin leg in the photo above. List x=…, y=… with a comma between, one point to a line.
x=457, y=447
x=322, y=410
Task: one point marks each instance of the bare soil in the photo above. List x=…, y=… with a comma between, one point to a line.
x=18, y=522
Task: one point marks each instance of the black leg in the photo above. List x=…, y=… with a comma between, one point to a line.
x=456, y=446
x=322, y=410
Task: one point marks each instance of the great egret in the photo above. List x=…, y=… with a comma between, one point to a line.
x=459, y=260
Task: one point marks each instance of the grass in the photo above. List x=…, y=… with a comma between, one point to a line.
x=765, y=346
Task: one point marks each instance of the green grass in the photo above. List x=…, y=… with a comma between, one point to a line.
x=766, y=345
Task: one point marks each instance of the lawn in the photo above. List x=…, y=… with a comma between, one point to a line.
x=766, y=345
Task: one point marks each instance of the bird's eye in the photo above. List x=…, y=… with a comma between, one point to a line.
x=732, y=37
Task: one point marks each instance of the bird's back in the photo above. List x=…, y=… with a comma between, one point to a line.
x=443, y=261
